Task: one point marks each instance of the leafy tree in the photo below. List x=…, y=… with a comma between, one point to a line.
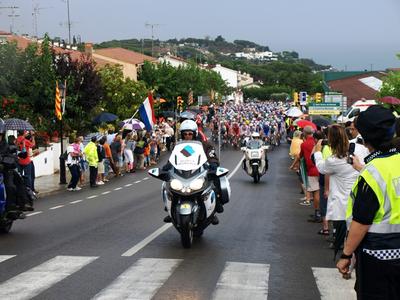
x=84, y=89
x=122, y=96
x=170, y=82
x=391, y=87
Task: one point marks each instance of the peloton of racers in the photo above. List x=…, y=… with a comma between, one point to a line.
x=237, y=123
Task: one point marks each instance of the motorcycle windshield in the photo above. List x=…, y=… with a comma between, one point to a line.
x=254, y=145
x=188, y=156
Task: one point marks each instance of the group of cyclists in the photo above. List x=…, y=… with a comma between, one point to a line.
x=234, y=125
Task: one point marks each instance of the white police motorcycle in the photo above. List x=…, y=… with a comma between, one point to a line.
x=188, y=189
x=255, y=162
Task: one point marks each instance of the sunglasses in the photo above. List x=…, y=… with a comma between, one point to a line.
x=188, y=133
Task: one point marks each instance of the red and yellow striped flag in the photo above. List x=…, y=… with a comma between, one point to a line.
x=58, y=103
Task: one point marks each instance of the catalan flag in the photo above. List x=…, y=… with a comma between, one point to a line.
x=190, y=98
x=58, y=103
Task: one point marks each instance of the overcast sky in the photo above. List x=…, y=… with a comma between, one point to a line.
x=352, y=34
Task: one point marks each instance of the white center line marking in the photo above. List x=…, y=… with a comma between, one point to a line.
x=91, y=197
x=55, y=207
x=118, y=188
x=145, y=178
x=147, y=240
x=34, y=213
x=129, y=184
x=5, y=257
x=76, y=201
x=237, y=168
x=163, y=228
x=106, y=192
x=138, y=181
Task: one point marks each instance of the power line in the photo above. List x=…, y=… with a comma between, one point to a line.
x=12, y=15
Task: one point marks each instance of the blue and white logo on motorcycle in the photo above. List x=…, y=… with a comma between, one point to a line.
x=187, y=151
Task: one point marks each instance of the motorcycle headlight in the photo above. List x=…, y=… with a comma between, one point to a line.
x=176, y=184
x=196, y=184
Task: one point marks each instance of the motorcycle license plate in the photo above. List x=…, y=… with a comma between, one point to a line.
x=185, y=205
x=254, y=154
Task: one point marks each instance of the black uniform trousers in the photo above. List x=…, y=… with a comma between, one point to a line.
x=377, y=279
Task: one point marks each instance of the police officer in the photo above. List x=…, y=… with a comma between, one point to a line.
x=374, y=211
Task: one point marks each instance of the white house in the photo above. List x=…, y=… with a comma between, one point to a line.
x=228, y=75
x=234, y=79
x=173, y=61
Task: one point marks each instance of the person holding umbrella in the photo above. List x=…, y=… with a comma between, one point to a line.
x=24, y=159
x=373, y=212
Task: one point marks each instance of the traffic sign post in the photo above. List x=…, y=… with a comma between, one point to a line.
x=324, y=109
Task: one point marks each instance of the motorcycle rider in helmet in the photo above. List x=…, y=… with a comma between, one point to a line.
x=17, y=197
x=189, y=131
x=255, y=137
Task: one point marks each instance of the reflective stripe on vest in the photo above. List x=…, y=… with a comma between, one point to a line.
x=383, y=176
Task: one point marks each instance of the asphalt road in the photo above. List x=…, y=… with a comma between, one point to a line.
x=111, y=243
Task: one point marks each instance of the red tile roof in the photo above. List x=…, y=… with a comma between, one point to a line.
x=124, y=55
x=22, y=42
x=354, y=89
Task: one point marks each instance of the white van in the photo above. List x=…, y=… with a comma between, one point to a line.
x=355, y=110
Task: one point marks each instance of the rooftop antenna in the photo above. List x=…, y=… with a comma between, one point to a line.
x=12, y=15
x=35, y=13
x=152, y=25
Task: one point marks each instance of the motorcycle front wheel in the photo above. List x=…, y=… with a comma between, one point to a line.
x=186, y=231
x=256, y=175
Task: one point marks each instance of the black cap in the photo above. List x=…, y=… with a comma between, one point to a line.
x=376, y=124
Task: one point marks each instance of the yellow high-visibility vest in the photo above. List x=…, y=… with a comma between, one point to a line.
x=382, y=174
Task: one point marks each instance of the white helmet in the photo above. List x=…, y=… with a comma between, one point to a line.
x=189, y=125
x=255, y=135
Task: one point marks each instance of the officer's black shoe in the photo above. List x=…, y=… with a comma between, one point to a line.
x=219, y=208
x=167, y=219
x=215, y=220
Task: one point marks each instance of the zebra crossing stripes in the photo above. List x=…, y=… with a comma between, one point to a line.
x=146, y=276
x=5, y=257
x=141, y=281
x=32, y=282
x=332, y=286
x=243, y=281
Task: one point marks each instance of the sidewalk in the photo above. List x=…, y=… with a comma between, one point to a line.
x=50, y=184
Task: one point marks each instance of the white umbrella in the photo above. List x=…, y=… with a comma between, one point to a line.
x=294, y=112
x=132, y=124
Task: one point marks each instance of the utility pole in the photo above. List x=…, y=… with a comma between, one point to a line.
x=152, y=35
x=35, y=13
x=69, y=24
x=13, y=15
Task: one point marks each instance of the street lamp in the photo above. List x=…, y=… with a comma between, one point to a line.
x=63, y=179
